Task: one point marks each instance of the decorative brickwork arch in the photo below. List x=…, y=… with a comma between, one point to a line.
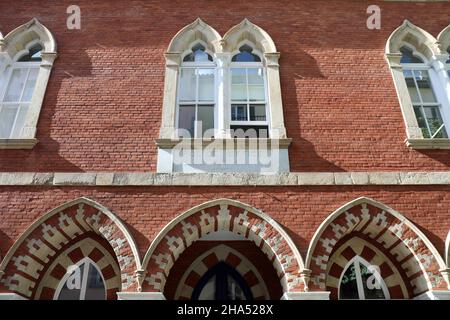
x=222, y=215
x=394, y=235
x=358, y=247
x=233, y=258
x=409, y=33
x=35, y=250
x=87, y=248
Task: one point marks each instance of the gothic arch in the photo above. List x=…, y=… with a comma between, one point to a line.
x=251, y=32
x=409, y=33
x=393, y=234
x=444, y=39
x=197, y=30
x=222, y=215
x=35, y=249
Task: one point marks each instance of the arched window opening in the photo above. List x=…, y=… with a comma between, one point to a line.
x=83, y=281
x=196, y=99
x=17, y=92
x=248, y=94
x=427, y=108
x=360, y=280
x=447, y=64
x=222, y=282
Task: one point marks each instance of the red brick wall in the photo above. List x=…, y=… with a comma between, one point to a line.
x=102, y=109
x=300, y=210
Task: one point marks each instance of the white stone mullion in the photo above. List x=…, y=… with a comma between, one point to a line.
x=167, y=130
x=223, y=89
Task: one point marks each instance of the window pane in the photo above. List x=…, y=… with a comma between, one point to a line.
x=246, y=55
x=258, y=112
x=235, y=291
x=206, y=117
x=239, y=92
x=255, y=76
x=238, y=76
x=16, y=84
x=421, y=121
x=408, y=56
x=348, y=288
x=413, y=93
x=187, y=84
x=424, y=83
x=20, y=121
x=206, y=84
x=434, y=119
x=209, y=290
x=186, y=118
x=70, y=290
x=31, y=83
x=239, y=112
x=372, y=288
x=95, y=288
x=7, y=117
x=256, y=93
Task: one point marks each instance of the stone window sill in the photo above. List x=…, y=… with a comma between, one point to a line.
x=18, y=143
x=235, y=142
x=428, y=143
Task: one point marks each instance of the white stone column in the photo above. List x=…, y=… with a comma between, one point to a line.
x=167, y=130
x=140, y=296
x=275, y=102
x=311, y=295
x=222, y=85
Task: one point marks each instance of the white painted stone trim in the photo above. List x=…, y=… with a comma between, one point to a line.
x=11, y=296
x=140, y=296
x=123, y=179
x=434, y=295
x=311, y=295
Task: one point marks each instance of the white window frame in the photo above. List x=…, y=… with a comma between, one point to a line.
x=87, y=261
x=196, y=65
x=361, y=295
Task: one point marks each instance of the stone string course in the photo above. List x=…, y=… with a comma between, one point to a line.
x=223, y=179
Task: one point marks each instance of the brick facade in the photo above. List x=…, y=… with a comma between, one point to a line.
x=102, y=113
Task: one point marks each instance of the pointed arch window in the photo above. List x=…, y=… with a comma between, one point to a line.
x=248, y=93
x=427, y=109
x=18, y=90
x=196, y=98
x=83, y=281
x=222, y=282
x=360, y=280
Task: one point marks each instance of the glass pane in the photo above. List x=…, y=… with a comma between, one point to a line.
x=188, y=84
x=186, y=118
x=421, y=121
x=408, y=57
x=239, y=92
x=16, y=84
x=238, y=76
x=372, y=288
x=413, y=93
x=348, y=288
x=255, y=76
x=72, y=287
x=435, y=122
x=205, y=84
x=7, y=117
x=20, y=121
x=425, y=88
x=256, y=93
x=239, y=112
x=31, y=83
x=258, y=112
x=246, y=55
x=34, y=54
x=235, y=291
x=209, y=290
x=198, y=55
x=95, y=288
x=206, y=117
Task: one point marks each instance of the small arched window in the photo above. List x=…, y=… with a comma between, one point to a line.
x=427, y=107
x=360, y=280
x=222, y=282
x=248, y=93
x=83, y=281
x=18, y=90
x=196, y=98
